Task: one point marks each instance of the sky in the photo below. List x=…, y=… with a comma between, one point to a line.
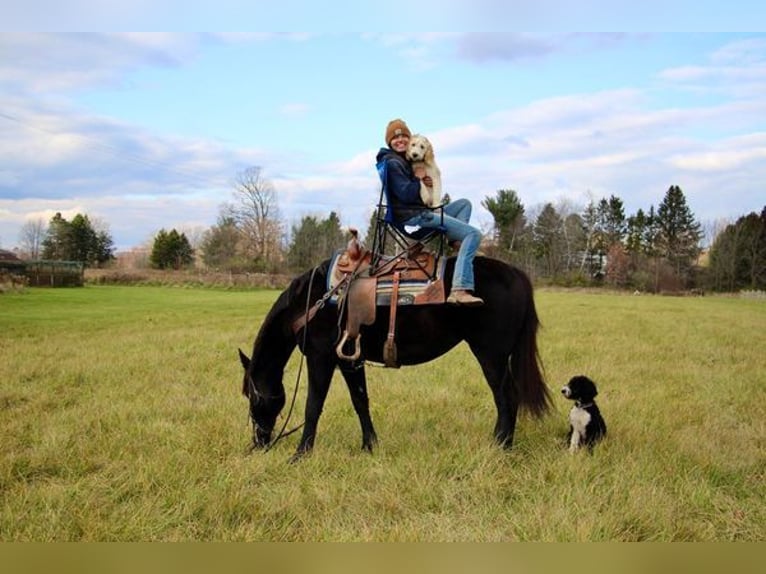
x=148, y=131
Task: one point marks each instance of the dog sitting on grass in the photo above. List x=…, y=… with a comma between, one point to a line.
x=586, y=425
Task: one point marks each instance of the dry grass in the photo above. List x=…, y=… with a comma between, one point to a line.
x=122, y=420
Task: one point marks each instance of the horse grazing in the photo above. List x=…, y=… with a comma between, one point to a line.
x=502, y=334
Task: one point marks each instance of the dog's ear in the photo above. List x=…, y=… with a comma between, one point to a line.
x=429, y=155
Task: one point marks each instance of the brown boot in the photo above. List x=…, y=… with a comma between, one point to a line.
x=463, y=297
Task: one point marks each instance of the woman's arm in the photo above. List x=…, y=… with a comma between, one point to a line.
x=402, y=184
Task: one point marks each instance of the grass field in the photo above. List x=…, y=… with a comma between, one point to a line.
x=122, y=421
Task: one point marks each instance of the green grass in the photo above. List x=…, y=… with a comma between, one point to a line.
x=122, y=420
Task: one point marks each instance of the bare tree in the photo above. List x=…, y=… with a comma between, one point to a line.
x=31, y=237
x=712, y=228
x=257, y=214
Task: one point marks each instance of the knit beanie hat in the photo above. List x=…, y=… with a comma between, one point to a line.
x=395, y=128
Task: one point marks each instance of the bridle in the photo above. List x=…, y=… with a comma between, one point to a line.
x=302, y=323
x=282, y=433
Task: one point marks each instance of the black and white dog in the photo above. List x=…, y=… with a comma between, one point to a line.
x=586, y=425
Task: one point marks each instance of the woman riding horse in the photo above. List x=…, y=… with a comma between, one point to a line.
x=502, y=335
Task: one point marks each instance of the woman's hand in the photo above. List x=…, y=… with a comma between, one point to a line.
x=427, y=180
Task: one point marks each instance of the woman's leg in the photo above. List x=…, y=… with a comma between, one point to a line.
x=455, y=221
x=459, y=209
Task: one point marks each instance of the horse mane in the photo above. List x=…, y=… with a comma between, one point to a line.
x=276, y=325
x=294, y=296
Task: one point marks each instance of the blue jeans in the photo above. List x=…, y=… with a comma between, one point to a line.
x=456, y=216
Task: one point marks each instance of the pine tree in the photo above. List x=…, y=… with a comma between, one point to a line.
x=679, y=234
x=171, y=250
x=738, y=255
x=219, y=245
x=548, y=237
x=314, y=240
x=508, y=212
x=57, y=244
x=76, y=240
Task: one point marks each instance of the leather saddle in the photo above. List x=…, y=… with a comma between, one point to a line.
x=414, y=277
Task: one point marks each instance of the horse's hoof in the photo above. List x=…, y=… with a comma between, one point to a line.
x=298, y=456
x=369, y=444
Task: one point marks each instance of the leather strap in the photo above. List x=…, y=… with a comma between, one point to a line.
x=390, y=346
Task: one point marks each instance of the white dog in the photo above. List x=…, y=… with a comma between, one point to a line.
x=421, y=153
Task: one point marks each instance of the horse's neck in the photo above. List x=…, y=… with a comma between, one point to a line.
x=274, y=344
x=276, y=341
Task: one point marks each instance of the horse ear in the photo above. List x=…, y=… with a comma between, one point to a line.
x=243, y=359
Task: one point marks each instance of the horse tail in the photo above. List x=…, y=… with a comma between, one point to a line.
x=525, y=364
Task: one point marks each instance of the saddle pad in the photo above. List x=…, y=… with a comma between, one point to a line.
x=411, y=291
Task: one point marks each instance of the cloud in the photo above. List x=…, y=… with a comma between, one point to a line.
x=725, y=156
x=35, y=63
x=60, y=152
x=483, y=47
x=738, y=68
x=57, y=156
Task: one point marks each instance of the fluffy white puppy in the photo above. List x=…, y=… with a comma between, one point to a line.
x=420, y=153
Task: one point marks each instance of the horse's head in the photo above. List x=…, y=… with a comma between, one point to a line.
x=266, y=401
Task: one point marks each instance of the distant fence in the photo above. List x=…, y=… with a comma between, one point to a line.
x=43, y=273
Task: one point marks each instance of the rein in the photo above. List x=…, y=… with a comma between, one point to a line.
x=282, y=434
x=302, y=323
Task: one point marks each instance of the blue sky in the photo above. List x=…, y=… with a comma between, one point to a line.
x=148, y=131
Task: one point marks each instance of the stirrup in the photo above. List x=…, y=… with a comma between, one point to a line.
x=357, y=347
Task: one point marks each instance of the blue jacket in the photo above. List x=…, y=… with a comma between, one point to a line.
x=401, y=186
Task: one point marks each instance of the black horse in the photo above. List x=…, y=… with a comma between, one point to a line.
x=502, y=334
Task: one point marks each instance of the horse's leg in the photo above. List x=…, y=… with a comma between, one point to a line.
x=357, y=387
x=505, y=430
x=495, y=369
x=320, y=370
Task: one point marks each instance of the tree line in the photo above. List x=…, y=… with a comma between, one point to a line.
x=650, y=250
x=80, y=240
x=653, y=249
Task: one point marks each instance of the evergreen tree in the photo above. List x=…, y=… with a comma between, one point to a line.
x=219, y=244
x=611, y=215
x=171, y=250
x=651, y=235
x=57, y=244
x=548, y=237
x=591, y=260
x=754, y=256
x=738, y=255
x=635, y=240
x=82, y=239
x=103, y=247
x=77, y=240
x=314, y=240
x=678, y=233
x=508, y=213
